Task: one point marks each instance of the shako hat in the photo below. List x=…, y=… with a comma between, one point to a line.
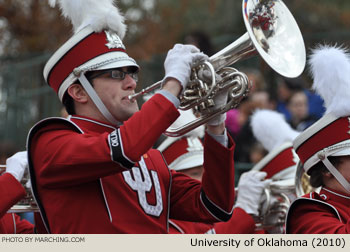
x=330, y=135
x=187, y=151
x=276, y=135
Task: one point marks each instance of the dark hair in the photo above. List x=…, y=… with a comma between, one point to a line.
x=317, y=171
x=68, y=103
x=293, y=84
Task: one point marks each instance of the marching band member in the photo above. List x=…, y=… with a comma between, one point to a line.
x=272, y=130
x=324, y=150
x=185, y=155
x=95, y=172
x=11, y=191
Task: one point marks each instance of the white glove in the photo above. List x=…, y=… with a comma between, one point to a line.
x=250, y=189
x=17, y=164
x=180, y=60
x=220, y=99
x=29, y=184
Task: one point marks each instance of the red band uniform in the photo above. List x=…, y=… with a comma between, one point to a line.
x=80, y=179
x=11, y=191
x=324, y=151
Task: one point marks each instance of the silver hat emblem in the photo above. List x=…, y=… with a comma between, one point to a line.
x=113, y=40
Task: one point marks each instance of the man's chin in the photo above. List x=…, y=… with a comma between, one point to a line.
x=128, y=114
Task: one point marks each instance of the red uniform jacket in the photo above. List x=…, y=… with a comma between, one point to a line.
x=89, y=177
x=11, y=191
x=325, y=213
x=240, y=223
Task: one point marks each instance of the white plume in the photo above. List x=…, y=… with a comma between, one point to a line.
x=330, y=69
x=52, y=3
x=100, y=15
x=271, y=129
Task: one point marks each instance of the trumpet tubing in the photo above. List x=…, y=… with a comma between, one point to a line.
x=273, y=206
x=271, y=32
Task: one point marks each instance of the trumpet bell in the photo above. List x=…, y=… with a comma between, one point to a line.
x=272, y=33
x=275, y=35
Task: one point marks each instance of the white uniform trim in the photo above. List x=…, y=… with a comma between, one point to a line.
x=14, y=224
x=343, y=196
x=316, y=127
x=101, y=184
x=272, y=154
x=176, y=227
x=315, y=200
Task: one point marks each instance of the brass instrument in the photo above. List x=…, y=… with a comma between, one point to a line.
x=274, y=206
x=272, y=32
x=302, y=181
x=27, y=204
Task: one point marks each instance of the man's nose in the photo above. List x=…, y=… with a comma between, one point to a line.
x=129, y=83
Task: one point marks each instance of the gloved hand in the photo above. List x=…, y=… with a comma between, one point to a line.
x=250, y=189
x=220, y=99
x=179, y=61
x=17, y=164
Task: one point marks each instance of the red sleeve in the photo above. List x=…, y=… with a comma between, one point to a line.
x=240, y=223
x=23, y=226
x=218, y=178
x=315, y=218
x=142, y=130
x=209, y=201
x=11, y=191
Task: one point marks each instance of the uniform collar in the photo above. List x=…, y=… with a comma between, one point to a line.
x=90, y=124
x=332, y=195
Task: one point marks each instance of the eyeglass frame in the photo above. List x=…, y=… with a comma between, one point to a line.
x=132, y=73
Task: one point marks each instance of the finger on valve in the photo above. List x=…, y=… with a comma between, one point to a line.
x=179, y=62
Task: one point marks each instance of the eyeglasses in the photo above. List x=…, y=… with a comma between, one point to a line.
x=116, y=73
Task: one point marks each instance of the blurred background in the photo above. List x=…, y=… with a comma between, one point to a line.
x=30, y=31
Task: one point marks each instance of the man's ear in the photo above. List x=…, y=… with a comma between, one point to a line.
x=327, y=174
x=78, y=93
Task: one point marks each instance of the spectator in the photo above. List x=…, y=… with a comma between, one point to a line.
x=285, y=89
x=298, y=107
x=245, y=138
x=237, y=117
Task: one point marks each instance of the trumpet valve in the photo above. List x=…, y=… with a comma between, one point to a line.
x=210, y=103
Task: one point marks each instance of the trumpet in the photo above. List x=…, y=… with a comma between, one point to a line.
x=273, y=206
x=272, y=33
x=27, y=204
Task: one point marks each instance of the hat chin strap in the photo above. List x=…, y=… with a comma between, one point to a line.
x=336, y=174
x=96, y=100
